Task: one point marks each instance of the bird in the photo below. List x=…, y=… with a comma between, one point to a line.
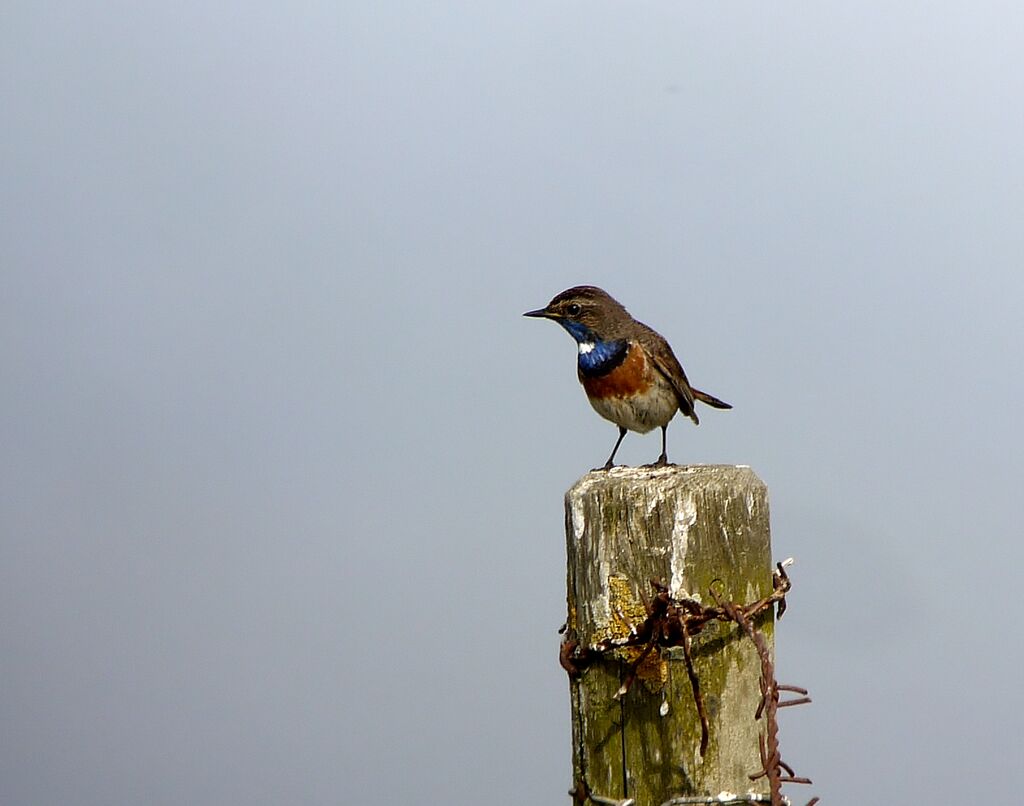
x=628, y=370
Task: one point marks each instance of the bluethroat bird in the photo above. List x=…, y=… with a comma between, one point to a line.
x=630, y=374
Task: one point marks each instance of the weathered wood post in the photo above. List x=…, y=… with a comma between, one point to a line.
x=692, y=527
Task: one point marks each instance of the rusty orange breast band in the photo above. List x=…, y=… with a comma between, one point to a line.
x=632, y=377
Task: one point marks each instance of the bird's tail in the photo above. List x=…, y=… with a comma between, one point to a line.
x=704, y=397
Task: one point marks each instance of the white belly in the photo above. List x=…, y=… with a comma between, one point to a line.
x=654, y=410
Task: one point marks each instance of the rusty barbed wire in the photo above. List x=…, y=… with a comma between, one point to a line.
x=673, y=622
x=772, y=766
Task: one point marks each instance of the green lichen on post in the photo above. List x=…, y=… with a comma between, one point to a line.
x=693, y=528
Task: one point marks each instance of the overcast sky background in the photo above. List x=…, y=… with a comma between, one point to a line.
x=282, y=465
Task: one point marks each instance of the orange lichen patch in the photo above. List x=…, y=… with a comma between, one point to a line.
x=570, y=620
x=627, y=611
x=633, y=376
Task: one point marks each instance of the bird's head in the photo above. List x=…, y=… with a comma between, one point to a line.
x=587, y=312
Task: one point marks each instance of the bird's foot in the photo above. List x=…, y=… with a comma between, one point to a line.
x=662, y=461
x=603, y=468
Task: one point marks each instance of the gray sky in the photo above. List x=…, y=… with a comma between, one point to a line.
x=282, y=465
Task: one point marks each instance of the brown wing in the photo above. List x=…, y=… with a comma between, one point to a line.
x=668, y=365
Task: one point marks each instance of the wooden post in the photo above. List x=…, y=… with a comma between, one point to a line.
x=691, y=527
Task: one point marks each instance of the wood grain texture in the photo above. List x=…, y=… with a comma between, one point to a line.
x=690, y=527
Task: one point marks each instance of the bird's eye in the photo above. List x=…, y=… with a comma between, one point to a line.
x=574, y=309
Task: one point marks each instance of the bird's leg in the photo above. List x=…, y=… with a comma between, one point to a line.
x=608, y=464
x=663, y=459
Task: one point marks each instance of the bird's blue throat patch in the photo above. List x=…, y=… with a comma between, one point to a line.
x=597, y=356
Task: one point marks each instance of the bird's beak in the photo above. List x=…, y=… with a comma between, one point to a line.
x=539, y=313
